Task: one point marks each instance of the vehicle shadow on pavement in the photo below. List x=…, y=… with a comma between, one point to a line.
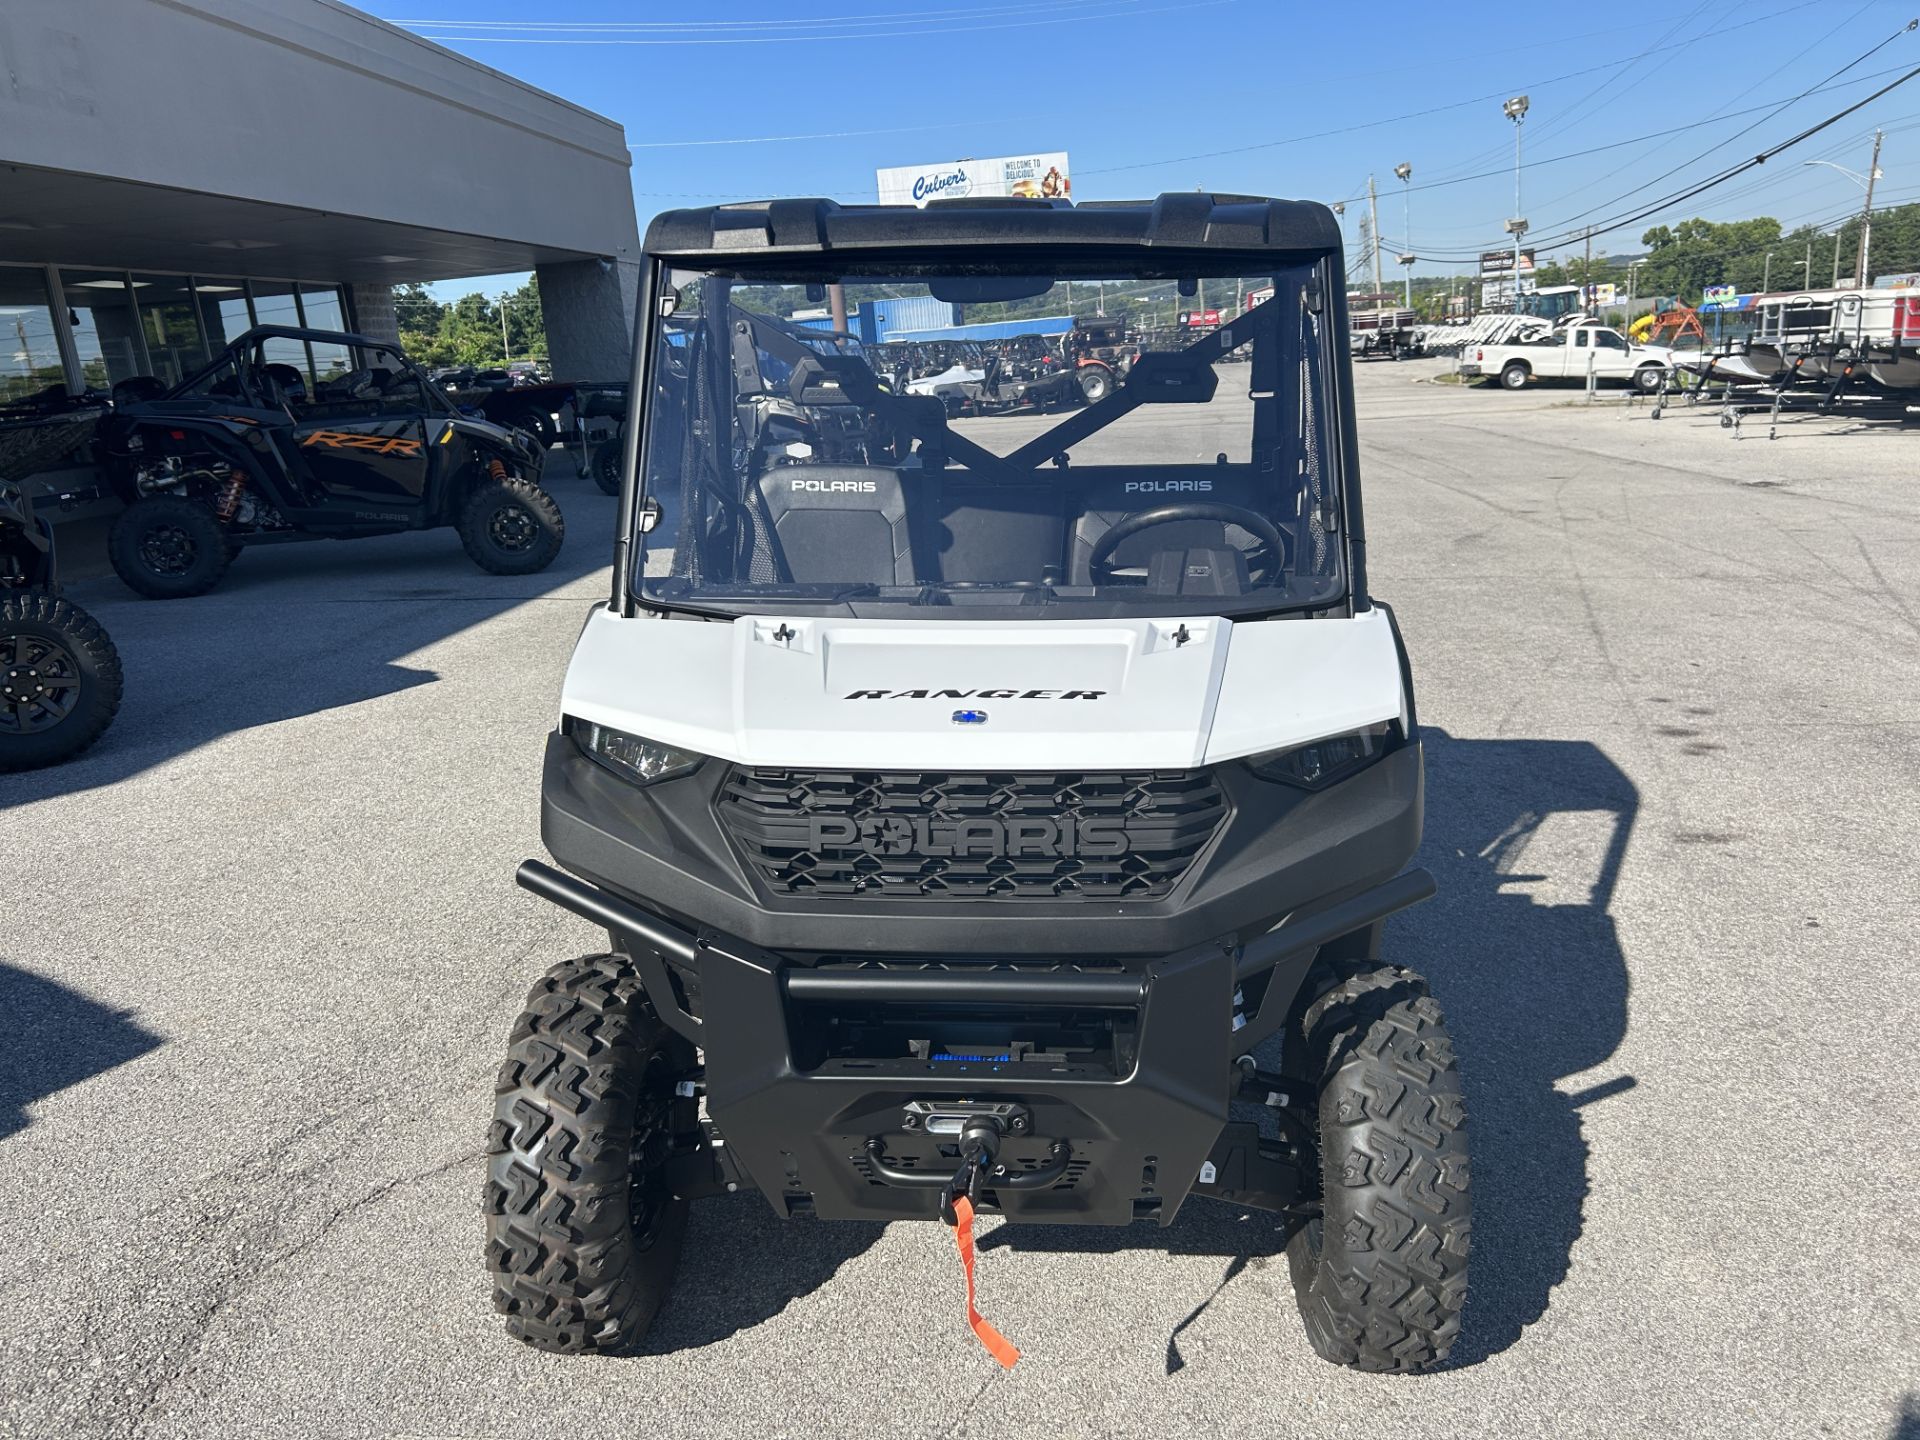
x=296, y=630
x=1526, y=839
x=742, y=1264
x=1906, y=1425
x=57, y=1037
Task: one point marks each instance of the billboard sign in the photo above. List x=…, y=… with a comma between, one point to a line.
x=1497, y=294
x=1718, y=295
x=1036, y=177
x=1599, y=294
x=1500, y=262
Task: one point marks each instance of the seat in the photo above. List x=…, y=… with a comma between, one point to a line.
x=137, y=389
x=283, y=384
x=838, y=525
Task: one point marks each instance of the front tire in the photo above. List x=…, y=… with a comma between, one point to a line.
x=1381, y=1274
x=511, y=526
x=1515, y=376
x=59, y=679
x=167, y=547
x=583, y=1228
x=1647, y=379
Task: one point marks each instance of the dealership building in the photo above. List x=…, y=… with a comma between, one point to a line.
x=173, y=172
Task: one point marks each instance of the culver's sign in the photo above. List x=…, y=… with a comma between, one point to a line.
x=940, y=184
x=1039, y=177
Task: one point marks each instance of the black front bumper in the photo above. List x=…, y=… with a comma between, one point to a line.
x=1280, y=850
x=1118, y=1131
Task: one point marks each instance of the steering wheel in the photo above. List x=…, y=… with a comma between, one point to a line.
x=1100, y=571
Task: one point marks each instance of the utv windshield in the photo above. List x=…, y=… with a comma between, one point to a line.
x=909, y=444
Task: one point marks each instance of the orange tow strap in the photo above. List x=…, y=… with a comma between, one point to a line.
x=997, y=1344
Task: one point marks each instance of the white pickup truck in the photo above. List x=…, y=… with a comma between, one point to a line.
x=1569, y=354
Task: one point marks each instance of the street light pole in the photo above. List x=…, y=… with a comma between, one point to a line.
x=1515, y=110
x=1865, y=182
x=1373, y=211
x=1404, y=172
x=1766, y=273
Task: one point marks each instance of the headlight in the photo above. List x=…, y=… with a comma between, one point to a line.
x=633, y=758
x=1319, y=763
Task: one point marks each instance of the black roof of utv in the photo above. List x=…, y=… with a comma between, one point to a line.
x=1180, y=221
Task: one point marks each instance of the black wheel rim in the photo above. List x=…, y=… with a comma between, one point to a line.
x=168, y=550
x=512, y=528
x=648, y=1192
x=39, y=683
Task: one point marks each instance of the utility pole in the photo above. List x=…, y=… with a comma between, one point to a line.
x=1586, y=270
x=1373, y=210
x=1866, y=215
x=1766, y=273
x=505, y=349
x=1836, y=255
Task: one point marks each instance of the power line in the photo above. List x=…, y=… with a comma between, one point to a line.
x=890, y=17
x=1678, y=197
x=1619, y=144
x=1499, y=94
x=1721, y=113
x=1905, y=29
x=1031, y=21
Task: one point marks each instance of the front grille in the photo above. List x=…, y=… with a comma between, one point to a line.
x=919, y=835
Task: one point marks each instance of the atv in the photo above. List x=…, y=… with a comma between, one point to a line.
x=59, y=673
x=975, y=818
x=248, y=452
x=1100, y=354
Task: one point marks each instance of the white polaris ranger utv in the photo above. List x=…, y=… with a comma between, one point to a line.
x=976, y=806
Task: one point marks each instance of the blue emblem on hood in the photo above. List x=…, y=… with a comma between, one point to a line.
x=969, y=717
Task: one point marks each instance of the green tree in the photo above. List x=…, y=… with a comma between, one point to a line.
x=526, y=327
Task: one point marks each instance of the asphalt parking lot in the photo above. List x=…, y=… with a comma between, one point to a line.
x=259, y=953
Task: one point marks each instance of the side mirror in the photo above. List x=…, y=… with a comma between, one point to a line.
x=649, y=515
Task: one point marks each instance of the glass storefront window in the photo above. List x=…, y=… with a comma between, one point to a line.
x=224, y=314
x=274, y=304
x=29, y=354
x=175, y=346
x=106, y=330
x=323, y=310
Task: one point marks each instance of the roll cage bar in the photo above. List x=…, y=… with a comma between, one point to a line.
x=235, y=350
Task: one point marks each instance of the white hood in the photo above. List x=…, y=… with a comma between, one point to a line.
x=1059, y=694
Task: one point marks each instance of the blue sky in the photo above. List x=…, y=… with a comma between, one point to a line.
x=1234, y=95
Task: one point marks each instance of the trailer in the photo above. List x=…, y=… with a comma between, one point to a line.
x=1376, y=326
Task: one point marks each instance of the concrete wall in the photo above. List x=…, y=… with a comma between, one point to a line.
x=589, y=310
x=312, y=104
